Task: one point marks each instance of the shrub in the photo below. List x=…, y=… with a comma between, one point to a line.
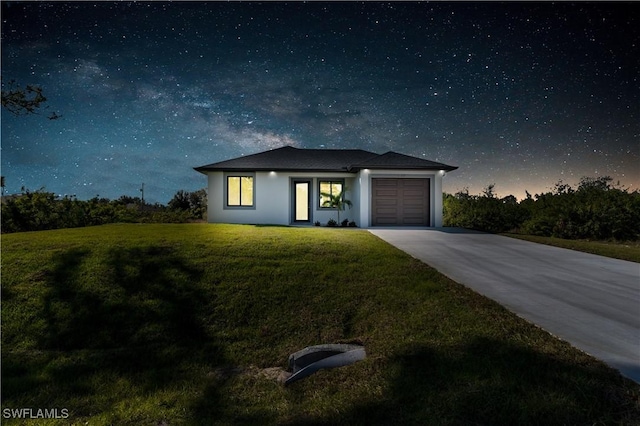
x=195, y=203
x=40, y=210
x=595, y=210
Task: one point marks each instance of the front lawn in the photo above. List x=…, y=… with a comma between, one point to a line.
x=190, y=324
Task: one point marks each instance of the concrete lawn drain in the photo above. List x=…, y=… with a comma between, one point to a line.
x=302, y=364
x=313, y=358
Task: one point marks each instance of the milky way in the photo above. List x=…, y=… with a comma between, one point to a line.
x=518, y=94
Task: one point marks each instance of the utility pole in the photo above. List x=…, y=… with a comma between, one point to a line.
x=142, y=191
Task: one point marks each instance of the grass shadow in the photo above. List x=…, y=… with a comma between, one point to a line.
x=491, y=382
x=139, y=328
x=186, y=324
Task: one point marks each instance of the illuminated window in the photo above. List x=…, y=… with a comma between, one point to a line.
x=240, y=191
x=329, y=187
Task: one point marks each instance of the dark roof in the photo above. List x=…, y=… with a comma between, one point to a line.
x=393, y=160
x=289, y=158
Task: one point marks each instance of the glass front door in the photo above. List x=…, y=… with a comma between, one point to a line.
x=302, y=201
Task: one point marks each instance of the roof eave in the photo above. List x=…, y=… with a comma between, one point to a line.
x=352, y=169
x=206, y=169
x=444, y=167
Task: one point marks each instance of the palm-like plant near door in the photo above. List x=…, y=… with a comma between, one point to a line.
x=336, y=201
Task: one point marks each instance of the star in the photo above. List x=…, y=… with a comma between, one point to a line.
x=517, y=94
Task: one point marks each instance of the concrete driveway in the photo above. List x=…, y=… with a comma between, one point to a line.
x=590, y=301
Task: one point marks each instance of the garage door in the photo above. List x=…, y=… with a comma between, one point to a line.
x=400, y=202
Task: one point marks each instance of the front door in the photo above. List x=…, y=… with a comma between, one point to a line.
x=301, y=201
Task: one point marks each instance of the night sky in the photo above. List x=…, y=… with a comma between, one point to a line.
x=517, y=94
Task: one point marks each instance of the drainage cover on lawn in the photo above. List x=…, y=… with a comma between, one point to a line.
x=313, y=358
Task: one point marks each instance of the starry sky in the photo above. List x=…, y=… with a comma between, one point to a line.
x=520, y=95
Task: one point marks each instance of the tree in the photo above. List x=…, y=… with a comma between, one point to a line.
x=23, y=100
x=127, y=199
x=597, y=209
x=180, y=201
x=337, y=201
x=195, y=203
x=489, y=191
x=198, y=203
x=602, y=183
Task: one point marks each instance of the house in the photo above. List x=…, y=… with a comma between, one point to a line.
x=285, y=185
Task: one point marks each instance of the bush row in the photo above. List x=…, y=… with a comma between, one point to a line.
x=596, y=210
x=41, y=210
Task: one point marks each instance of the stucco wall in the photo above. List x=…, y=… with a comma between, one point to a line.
x=273, y=199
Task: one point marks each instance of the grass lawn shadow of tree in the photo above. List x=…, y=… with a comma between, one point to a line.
x=140, y=325
x=489, y=382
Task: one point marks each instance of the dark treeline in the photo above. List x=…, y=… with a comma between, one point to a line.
x=41, y=210
x=594, y=210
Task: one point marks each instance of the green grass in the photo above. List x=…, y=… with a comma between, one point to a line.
x=183, y=324
x=628, y=250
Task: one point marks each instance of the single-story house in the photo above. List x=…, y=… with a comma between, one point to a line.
x=285, y=186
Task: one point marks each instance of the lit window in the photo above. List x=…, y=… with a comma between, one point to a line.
x=327, y=188
x=240, y=191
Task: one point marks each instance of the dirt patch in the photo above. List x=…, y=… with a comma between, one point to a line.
x=270, y=373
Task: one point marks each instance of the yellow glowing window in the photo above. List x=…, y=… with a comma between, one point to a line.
x=240, y=191
x=329, y=187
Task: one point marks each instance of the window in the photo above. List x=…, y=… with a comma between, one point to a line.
x=332, y=187
x=240, y=191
